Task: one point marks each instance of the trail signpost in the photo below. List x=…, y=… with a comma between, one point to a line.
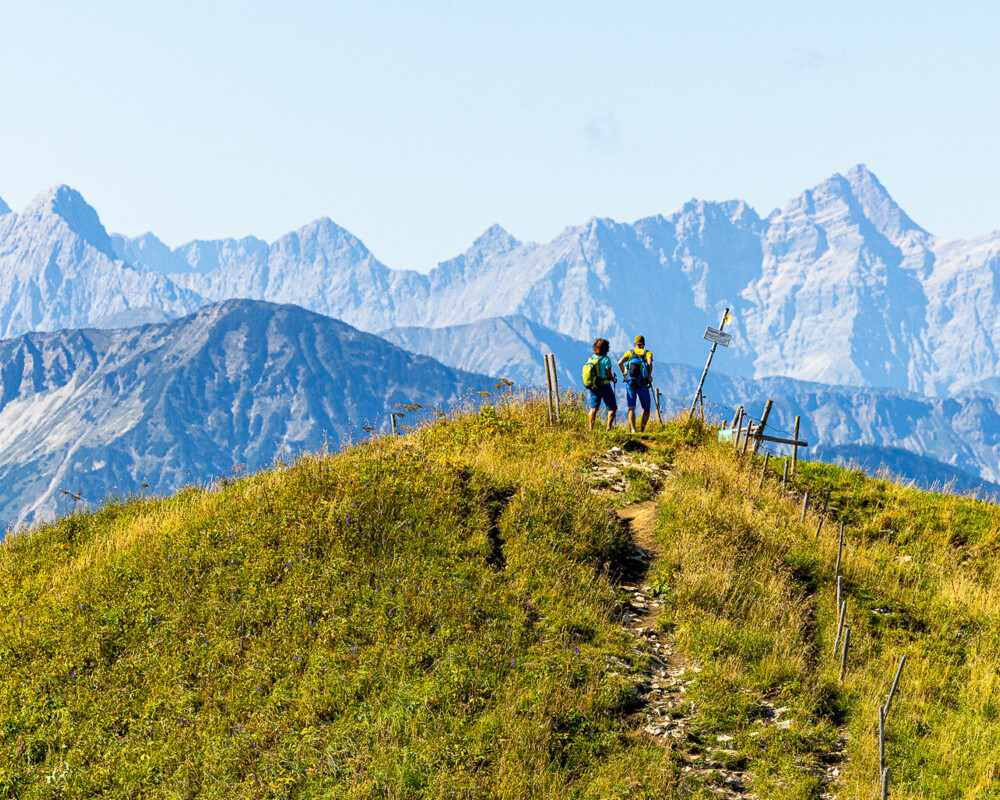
x=716, y=337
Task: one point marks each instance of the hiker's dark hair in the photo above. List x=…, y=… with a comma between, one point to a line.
x=601, y=347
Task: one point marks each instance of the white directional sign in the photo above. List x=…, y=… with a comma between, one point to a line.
x=717, y=336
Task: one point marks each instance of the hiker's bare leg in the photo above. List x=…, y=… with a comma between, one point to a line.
x=611, y=420
x=593, y=416
x=645, y=418
x=631, y=419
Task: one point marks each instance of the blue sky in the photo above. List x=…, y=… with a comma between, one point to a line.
x=418, y=125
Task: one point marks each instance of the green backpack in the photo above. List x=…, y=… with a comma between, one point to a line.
x=592, y=374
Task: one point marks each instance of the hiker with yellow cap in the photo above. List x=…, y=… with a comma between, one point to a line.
x=637, y=367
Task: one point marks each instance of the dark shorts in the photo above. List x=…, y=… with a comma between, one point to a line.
x=605, y=393
x=640, y=392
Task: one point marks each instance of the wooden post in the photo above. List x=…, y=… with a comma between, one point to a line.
x=840, y=550
x=795, y=448
x=895, y=682
x=737, y=427
x=763, y=472
x=746, y=438
x=881, y=740
x=839, y=590
x=548, y=383
x=843, y=654
x=395, y=433
x=805, y=502
x=784, y=479
x=555, y=386
x=737, y=416
x=885, y=784
x=701, y=383
x=659, y=416
x=822, y=514
x=840, y=627
x=763, y=423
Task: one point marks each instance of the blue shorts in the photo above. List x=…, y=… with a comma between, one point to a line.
x=605, y=393
x=641, y=392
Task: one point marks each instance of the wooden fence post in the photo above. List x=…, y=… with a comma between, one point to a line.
x=763, y=423
x=881, y=739
x=895, y=682
x=840, y=627
x=795, y=447
x=784, y=479
x=548, y=385
x=763, y=472
x=805, y=504
x=822, y=514
x=737, y=428
x=395, y=432
x=843, y=654
x=885, y=784
x=555, y=386
x=840, y=550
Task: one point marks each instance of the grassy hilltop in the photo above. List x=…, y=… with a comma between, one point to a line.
x=437, y=616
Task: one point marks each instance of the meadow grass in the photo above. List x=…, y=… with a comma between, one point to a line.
x=751, y=595
x=429, y=616
x=435, y=616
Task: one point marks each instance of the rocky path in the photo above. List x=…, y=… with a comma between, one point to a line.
x=667, y=712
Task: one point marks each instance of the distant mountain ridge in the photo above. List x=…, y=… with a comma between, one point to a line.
x=506, y=347
x=840, y=286
x=238, y=382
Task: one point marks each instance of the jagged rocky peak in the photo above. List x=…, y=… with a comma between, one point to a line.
x=698, y=213
x=68, y=205
x=490, y=244
x=889, y=219
x=857, y=197
x=495, y=239
x=327, y=235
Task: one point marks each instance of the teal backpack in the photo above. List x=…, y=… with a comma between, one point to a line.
x=636, y=369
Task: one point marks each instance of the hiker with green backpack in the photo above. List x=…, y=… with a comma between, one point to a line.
x=599, y=378
x=637, y=368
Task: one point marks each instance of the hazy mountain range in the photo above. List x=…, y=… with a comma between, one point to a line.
x=840, y=288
